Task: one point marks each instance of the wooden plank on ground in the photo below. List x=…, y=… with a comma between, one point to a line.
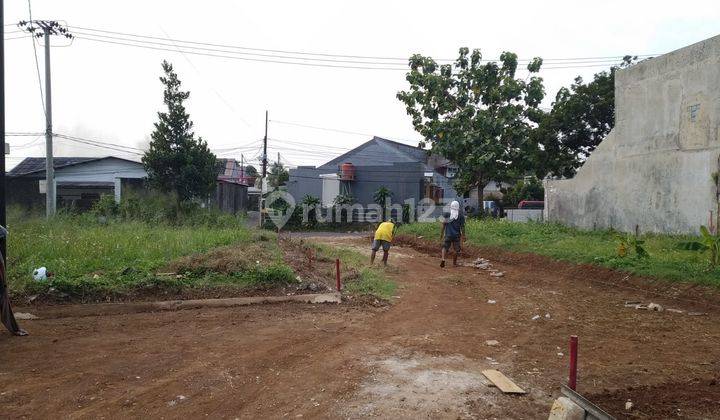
x=502, y=382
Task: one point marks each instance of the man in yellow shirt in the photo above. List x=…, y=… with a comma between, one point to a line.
x=383, y=237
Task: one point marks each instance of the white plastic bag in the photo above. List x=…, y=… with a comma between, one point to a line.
x=40, y=274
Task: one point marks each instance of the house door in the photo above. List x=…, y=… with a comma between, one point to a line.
x=330, y=189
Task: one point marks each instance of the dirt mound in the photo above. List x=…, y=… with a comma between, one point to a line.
x=224, y=260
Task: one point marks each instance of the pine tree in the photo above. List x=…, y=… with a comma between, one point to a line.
x=176, y=161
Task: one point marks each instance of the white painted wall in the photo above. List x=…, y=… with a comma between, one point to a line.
x=105, y=171
x=524, y=215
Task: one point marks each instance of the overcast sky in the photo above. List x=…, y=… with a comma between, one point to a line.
x=111, y=92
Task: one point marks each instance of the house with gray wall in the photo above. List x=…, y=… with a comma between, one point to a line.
x=408, y=171
x=79, y=181
x=656, y=170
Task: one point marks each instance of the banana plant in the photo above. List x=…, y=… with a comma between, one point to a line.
x=628, y=242
x=707, y=242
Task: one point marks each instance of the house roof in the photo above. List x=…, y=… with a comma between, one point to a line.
x=32, y=165
x=230, y=170
x=379, y=151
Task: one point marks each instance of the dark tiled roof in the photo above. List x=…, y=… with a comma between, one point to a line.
x=379, y=151
x=37, y=164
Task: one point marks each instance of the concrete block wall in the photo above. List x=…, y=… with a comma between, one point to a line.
x=655, y=168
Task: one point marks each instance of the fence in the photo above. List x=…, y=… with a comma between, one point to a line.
x=524, y=215
x=231, y=197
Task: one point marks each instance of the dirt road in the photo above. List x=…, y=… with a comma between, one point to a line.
x=419, y=357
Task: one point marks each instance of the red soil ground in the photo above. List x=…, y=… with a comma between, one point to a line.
x=421, y=356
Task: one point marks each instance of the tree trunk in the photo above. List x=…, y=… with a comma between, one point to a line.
x=480, y=192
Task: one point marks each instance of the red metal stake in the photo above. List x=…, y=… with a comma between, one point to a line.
x=572, y=380
x=337, y=273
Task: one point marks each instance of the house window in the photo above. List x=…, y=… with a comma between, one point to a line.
x=451, y=171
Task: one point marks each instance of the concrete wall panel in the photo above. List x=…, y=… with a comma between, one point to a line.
x=655, y=168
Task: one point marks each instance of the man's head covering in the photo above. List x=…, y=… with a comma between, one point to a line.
x=454, y=210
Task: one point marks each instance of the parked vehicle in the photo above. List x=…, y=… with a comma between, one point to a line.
x=531, y=204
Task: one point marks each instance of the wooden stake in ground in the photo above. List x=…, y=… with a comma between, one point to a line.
x=502, y=382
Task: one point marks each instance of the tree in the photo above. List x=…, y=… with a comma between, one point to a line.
x=278, y=175
x=251, y=171
x=382, y=198
x=529, y=189
x=312, y=204
x=581, y=117
x=477, y=115
x=176, y=161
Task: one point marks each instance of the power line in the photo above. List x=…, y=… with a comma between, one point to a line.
x=218, y=94
x=98, y=142
x=16, y=37
x=135, y=150
x=37, y=66
x=237, y=58
x=248, y=146
x=303, y=60
x=336, y=130
x=28, y=144
x=99, y=145
x=21, y=134
x=402, y=60
x=286, y=57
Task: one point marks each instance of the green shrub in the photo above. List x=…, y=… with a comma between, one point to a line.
x=105, y=206
x=159, y=208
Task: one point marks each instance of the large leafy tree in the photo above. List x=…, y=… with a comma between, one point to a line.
x=478, y=115
x=581, y=117
x=176, y=161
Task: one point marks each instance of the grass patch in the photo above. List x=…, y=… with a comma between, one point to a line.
x=592, y=247
x=361, y=278
x=100, y=261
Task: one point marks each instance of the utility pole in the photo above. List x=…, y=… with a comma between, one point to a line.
x=45, y=28
x=50, y=201
x=264, y=161
x=242, y=167
x=3, y=221
x=261, y=201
